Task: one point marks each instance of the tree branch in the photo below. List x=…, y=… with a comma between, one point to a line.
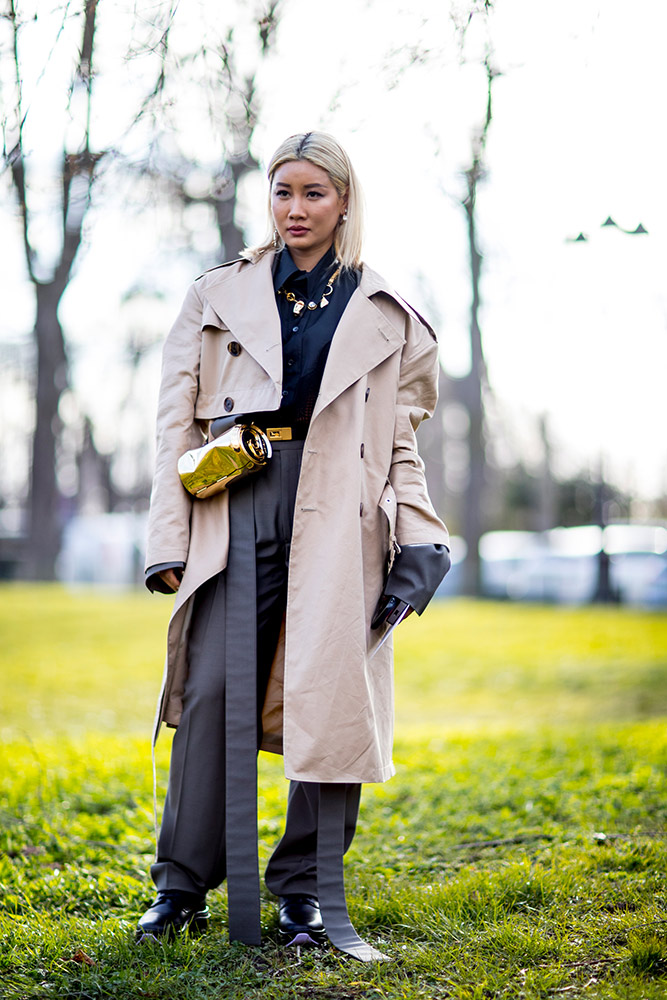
x=85, y=67
x=78, y=168
x=162, y=45
x=15, y=156
x=268, y=24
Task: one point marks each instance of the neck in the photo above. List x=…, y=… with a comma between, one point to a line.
x=307, y=259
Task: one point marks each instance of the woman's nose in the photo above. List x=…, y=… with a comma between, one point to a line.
x=296, y=208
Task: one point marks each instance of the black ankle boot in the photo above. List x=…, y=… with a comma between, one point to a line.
x=300, y=920
x=174, y=912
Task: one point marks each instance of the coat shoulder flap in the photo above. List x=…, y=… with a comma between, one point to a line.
x=380, y=290
x=219, y=267
x=411, y=311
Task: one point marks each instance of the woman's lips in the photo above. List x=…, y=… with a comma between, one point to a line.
x=297, y=230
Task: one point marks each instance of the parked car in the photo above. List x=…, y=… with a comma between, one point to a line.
x=562, y=565
x=103, y=548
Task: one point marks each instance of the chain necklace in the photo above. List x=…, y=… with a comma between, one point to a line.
x=300, y=304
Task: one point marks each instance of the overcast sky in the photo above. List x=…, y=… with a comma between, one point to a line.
x=576, y=331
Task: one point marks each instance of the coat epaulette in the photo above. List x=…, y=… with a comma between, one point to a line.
x=227, y=263
x=410, y=310
x=375, y=283
x=413, y=312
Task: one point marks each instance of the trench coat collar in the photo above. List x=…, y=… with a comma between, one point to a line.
x=365, y=335
x=364, y=338
x=250, y=312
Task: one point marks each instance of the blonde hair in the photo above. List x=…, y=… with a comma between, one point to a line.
x=323, y=151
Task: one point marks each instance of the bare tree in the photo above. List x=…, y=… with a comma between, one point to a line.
x=475, y=383
x=209, y=177
x=469, y=391
x=76, y=175
x=233, y=109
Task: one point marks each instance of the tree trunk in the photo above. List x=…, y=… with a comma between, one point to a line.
x=546, y=514
x=231, y=236
x=44, y=510
x=45, y=515
x=474, y=496
x=476, y=381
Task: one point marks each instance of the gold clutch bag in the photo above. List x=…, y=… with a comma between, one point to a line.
x=242, y=449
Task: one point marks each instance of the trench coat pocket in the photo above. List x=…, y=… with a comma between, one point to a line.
x=230, y=379
x=388, y=505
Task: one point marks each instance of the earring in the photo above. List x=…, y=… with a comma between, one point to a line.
x=276, y=239
x=344, y=216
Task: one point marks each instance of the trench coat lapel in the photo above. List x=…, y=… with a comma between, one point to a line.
x=363, y=339
x=245, y=301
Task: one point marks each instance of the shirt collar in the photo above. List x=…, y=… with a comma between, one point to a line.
x=287, y=272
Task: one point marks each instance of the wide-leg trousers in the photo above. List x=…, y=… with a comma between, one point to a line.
x=192, y=853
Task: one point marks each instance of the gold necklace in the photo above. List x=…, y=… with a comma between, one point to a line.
x=300, y=304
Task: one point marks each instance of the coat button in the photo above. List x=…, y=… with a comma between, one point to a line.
x=361, y=451
x=234, y=348
x=361, y=510
x=229, y=404
x=368, y=392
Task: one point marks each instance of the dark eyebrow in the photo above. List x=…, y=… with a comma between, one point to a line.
x=286, y=185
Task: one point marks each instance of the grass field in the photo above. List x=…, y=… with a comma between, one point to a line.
x=520, y=852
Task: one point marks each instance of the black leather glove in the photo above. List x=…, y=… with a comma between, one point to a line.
x=415, y=576
x=417, y=573
x=389, y=610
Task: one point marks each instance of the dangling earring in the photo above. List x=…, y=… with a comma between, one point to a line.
x=344, y=219
x=276, y=239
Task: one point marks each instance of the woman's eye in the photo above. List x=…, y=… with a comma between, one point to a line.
x=280, y=194
x=315, y=194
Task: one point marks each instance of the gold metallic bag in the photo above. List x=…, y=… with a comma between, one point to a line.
x=242, y=449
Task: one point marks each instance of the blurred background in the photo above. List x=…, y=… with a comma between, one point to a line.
x=513, y=158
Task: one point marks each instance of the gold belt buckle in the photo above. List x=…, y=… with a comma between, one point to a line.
x=279, y=433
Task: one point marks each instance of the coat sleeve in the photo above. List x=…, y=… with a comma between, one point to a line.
x=416, y=521
x=416, y=574
x=171, y=504
x=154, y=581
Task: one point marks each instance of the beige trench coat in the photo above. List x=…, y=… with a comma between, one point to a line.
x=361, y=494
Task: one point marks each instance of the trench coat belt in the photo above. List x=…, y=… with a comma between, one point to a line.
x=243, y=891
x=330, y=876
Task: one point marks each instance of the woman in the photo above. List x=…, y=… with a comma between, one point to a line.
x=279, y=577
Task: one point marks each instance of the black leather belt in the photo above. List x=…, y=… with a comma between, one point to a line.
x=294, y=433
x=267, y=422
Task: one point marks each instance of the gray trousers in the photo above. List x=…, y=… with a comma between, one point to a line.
x=191, y=846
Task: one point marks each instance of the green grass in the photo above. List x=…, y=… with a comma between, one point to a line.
x=520, y=852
